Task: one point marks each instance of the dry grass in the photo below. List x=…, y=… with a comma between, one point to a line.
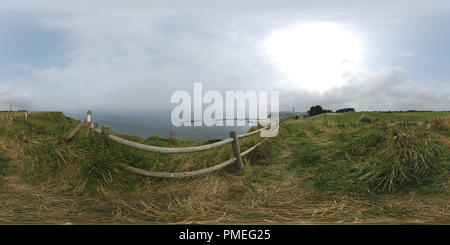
x=269, y=191
x=220, y=200
x=409, y=155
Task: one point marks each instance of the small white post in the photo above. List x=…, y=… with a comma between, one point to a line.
x=89, y=122
x=10, y=117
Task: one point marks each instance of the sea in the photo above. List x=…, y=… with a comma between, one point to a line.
x=147, y=124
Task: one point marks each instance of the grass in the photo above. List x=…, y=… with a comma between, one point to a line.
x=362, y=151
x=408, y=157
x=327, y=168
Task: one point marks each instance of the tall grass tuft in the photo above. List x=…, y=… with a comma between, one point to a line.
x=408, y=157
x=101, y=166
x=440, y=124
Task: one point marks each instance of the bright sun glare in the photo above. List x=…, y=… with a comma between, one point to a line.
x=315, y=55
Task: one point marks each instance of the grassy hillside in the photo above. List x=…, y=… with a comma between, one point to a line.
x=328, y=168
x=372, y=155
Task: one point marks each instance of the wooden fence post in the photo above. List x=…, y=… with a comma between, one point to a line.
x=236, y=150
x=89, y=122
x=10, y=117
x=106, y=129
x=94, y=127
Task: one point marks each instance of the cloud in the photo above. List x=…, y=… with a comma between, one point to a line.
x=408, y=54
x=51, y=75
x=132, y=60
x=387, y=89
x=17, y=100
x=118, y=57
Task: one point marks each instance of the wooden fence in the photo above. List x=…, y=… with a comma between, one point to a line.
x=234, y=140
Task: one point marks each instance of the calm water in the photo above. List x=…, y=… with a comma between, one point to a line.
x=149, y=124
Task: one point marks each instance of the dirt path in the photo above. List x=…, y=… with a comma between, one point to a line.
x=287, y=153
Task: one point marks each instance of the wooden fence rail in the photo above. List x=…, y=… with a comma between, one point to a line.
x=75, y=131
x=168, y=150
x=237, y=155
x=172, y=133
x=178, y=175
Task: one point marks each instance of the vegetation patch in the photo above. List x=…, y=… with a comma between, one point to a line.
x=4, y=164
x=409, y=156
x=357, y=154
x=348, y=167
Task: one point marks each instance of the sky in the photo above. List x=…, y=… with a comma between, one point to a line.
x=134, y=55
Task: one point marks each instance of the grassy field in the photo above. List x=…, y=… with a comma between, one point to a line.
x=330, y=168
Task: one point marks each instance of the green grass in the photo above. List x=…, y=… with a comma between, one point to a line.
x=96, y=163
x=5, y=169
x=328, y=167
x=408, y=157
x=356, y=153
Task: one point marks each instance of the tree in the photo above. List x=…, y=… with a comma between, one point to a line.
x=345, y=110
x=315, y=110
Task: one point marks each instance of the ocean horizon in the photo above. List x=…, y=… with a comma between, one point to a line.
x=148, y=124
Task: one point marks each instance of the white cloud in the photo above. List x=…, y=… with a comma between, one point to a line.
x=387, y=89
x=130, y=59
x=136, y=56
x=51, y=75
x=17, y=100
x=408, y=54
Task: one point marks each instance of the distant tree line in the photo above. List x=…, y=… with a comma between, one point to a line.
x=345, y=110
x=408, y=111
x=315, y=110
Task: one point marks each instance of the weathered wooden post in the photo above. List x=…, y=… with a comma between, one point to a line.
x=89, y=122
x=10, y=117
x=172, y=133
x=236, y=150
x=106, y=129
x=94, y=127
